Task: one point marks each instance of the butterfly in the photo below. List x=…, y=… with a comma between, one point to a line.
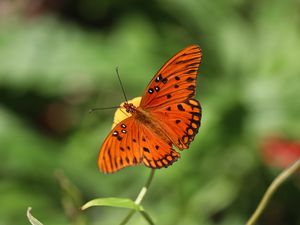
x=166, y=115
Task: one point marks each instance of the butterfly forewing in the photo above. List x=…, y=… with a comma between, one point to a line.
x=121, y=147
x=175, y=81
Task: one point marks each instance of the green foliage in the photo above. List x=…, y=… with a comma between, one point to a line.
x=57, y=62
x=114, y=202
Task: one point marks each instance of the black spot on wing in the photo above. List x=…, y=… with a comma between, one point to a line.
x=119, y=138
x=190, y=79
x=146, y=149
x=150, y=90
x=191, y=87
x=180, y=107
x=187, y=60
x=164, y=80
x=158, y=78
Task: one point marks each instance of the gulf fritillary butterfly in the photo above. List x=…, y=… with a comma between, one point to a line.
x=167, y=114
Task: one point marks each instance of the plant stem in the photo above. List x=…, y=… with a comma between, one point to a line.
x=147, y=217
x=282, y=177
x=144, y=190
x=139, y=199
x=127, y=218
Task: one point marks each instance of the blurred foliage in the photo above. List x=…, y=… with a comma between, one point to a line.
x=58, y=59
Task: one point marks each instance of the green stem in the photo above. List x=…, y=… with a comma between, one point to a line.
x=139, y=199
x=282, y=177
x=147, y=217
x=127, y=218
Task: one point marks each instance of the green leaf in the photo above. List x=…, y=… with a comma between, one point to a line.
x=32, y=219
x=114, y=202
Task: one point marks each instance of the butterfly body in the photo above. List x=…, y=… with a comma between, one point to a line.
x=130, y=108
x=166, y=115
x=143, y=117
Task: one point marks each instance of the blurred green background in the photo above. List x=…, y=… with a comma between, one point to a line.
x=58, y=59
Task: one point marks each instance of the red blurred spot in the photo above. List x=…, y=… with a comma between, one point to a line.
x=34, y=8
x=280, y=153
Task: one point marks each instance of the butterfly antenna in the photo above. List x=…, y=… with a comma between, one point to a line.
x=117, y=70
x=95, y=109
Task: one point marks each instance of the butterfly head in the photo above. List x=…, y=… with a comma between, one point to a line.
x=130, y=108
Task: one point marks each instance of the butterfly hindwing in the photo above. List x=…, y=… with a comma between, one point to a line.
x=181, y=121
x=157, y=152
x=175, y=81
x=131, y=143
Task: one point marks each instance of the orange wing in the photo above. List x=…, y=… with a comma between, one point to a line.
x=130, y=143
x=180, y=121
x=157, y=153
x=175, y=82
x=121, y=147
x=169, y=97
